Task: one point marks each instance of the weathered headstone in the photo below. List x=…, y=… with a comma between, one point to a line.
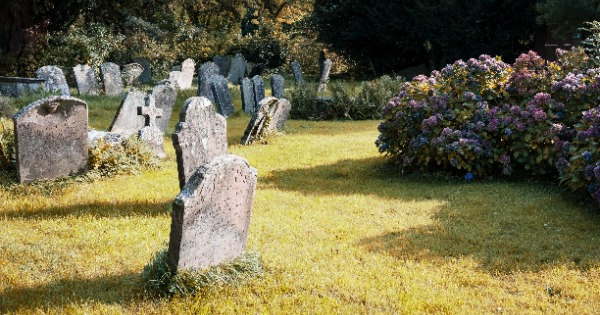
x=270, y=116
x=131, y=73
x=111, y=79
x=200, y=136
x=127, y=121
x=109, y=137
x=297, y=70
x=277, y=86
x=211, y=215
x=248, y=100
x=146, y=76
x=174, y=78
x=325, y=69
x=218, y=85
x=237, y=69
x=223, y=62
x=85, y=76
x=259, y=89
x=51, y=138
x=188, y=67
x=164, y=95
x=150, y=134
x=205, y=72
x=55, y=79
x=280, y=116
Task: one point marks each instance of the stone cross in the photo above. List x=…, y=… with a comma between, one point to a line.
x=150, y=111
x=151, y=134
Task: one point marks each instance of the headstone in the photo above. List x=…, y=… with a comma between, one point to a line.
x=267, y=119
x=111, y=78
x=280, y=116
x=55, y=79
x=277, y=86
x=223, y=62
x=237, y=69
x=200, y=136
x=85, y=76
x=259, y=89
x=205, y=72
x=248, y=100
x=51, y=138
x=109, y=137
x=127, y=121
x=211, y=215
x=297, y=70
x=325, y=69
x=188, y=67
x=150, y=134
x=174, y=78
x=131, y=73
x=146, y=76
x=218, y=85
x=165, y=96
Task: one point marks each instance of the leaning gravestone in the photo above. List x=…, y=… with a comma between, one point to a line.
x=55, y=79
x=280, y=116
x=200, y=136
x=297, y=70
x=111, y=78
x=248, y=100
x=205, y=72
x=223, y=62
x=277, y=86
x=131, y=73
x=85, y=76
x=51, y=138
x=164, y=95
x=150, y=134
x=218, y=85
x=211, y=215
x=237, y=69
x=187, y=74
x=127, y=121
x=325, y=69
x=270, y=116
x=259, y=89
x=174, y=78
x=146, y=76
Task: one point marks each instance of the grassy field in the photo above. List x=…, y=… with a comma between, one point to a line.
x=338, y=231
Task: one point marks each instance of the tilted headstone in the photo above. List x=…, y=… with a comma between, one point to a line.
x=218, y=85
x=51, y=138
x=55, y=79
x=85, y=76
x=111, y=79
x=188, y=67
x=127, y=121
x=248, y=100
x=259, y=89
x=174, y=78
x=150, y=134
x=237, y=69
x=325, y=69
x=223, y=62
x=131, y=73
x=269, y=117
x=165, y=96
x=297, y=70
x=200, y=136
x=277, y=86
x=205, y=72
x=146, y=76
x=280, y=116
x=211, y=215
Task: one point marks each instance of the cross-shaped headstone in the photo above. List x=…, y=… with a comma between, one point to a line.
x=150, y=111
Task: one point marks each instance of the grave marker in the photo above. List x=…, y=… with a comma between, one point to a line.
x=188, y=67
x=277, y=86
x=150, y=133
x=131, y=73
x=127, y=121
x=223, y=62
x=259, y=89
x=55, y=79
x=146, y=76
x=325, y=69
x=165, y=96
x=237, y=69
x=111, y=79
x=205, y=72
x=248, y=99
x=85, y=76
x=218, y=85
x=270, y=116
x=297, y=70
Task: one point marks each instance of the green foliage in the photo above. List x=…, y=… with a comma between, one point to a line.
x=6, y=107
x=7, y=144
x=591, y=44
x=127, y=157
x=565, y=17
x=305, y=104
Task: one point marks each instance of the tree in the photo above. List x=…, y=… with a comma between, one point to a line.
x=565, y=17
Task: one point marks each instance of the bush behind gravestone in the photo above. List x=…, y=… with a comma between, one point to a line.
x=7, y=145
x=128, y=157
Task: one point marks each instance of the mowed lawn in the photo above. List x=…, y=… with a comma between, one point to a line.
x=339, y=233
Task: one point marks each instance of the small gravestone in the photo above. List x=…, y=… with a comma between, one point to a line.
x=218, y=85
x=51, y=138
x=150, y=134
x=55, y=79
x=277, y=86
x=127, y=121
x=237, y=69
x=174, y=78
x=205, y=72
x=164, y=95
x=325, y=69
x=146, y=76
x=200, y=136
x=259, y=89
x=188, y=67
x=223, y=62
x=111, y=79
x=211, y=215
x=259, y=124
x=248, y=100
x=131, y=73
x=85, y=76
x=297, y=70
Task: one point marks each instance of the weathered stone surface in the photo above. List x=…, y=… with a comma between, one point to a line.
x=280, y=115
x=131, y=73
x=211, y=215
x=188, y=67
x=237, y=69
x=174, y=78
x=200, y=136
x=297, y=70
x=111, y=79
x=165, y=96
x=325, y=69
x=16, y=86
x=218, y=85
x=146, y=76
x=127, y=120
x=277, y=86
x=150, y=133
x=85, y=76
x=55, y=79
x=205, y=72
x=223, y=62
x=261, y=121
x=51, y=138
x=248, y=100
x=259, y=89
x=109, y=137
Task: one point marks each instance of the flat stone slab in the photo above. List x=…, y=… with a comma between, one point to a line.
x=17, y=86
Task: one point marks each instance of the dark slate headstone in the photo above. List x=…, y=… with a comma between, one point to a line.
x=51, y=138
x=165, y=96
x=127, y=121
x=277, y=86
x=150, y=134
x=211, y=215
x=55, y=79
x=223, y=62
x=200, y=136
x=297, y=70
x=248, y=100
x=85, y=76
x=131, y=73
x=237, y=69
x=146, y=76
x=325, y=69
x=188, y=67
x=259, y=88
x=205, y=72
x=218, y=85
x=111, y=79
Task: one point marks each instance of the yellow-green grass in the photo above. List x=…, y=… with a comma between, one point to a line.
x=338, y=231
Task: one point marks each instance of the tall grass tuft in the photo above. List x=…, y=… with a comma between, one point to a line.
x=7, y=144
x=127, y=157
